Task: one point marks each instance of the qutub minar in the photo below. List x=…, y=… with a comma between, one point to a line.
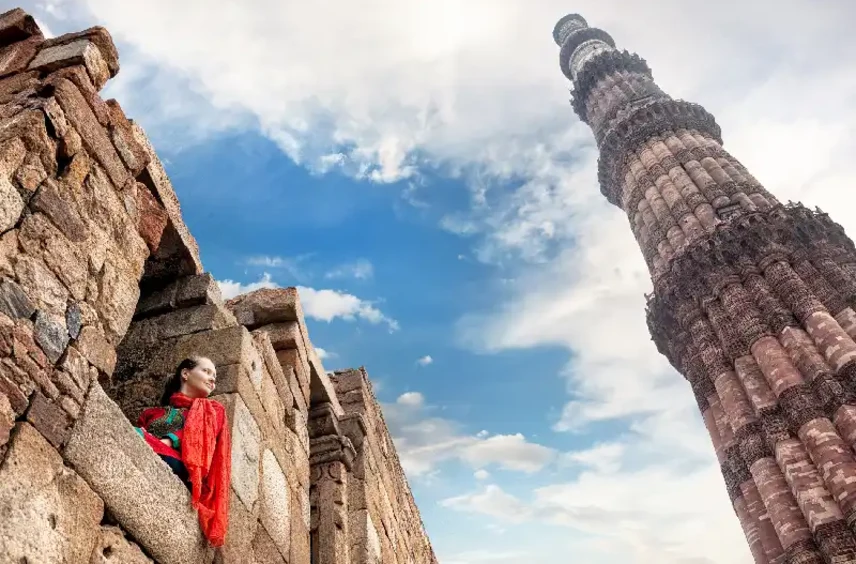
x=753, y=302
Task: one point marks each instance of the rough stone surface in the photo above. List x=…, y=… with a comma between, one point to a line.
x=246, y=450
x=275, y=514
x=49, y=419
x=11, y=204
x=138, y=489
x=78, y=52
x=17, y=25
x=51, y=335
x=14, y=302
x=49, y=512
x=114, y=548
x=94, y=346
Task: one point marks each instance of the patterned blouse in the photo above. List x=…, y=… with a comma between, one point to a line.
x=165, y=422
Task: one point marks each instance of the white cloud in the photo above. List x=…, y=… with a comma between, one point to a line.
x=230, y=288
x=605, y=457
x=324, y=354
x=412, y=399
x=293, y=266
x=424, y=442
x=361, y=269
x=481, y=474
x=491, y=501
x=425, y=360
x=327, y=305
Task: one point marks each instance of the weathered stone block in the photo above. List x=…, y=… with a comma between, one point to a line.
x=56, y=201
x=51, y=335
x=187, y=291
x=239, y=537
x=134, y=156
x=41, y=285
x=95, y=138
x=68, y=387
x=275, y=503
x=100, y=37
x=41, y=239
x=266, y=306
x=10, y=389
x=14, y=301
x=246, y=449
x=265, y=549
x=50, y=419
x=78, y=52
x=113, y=548
x=17, y=25
x=73, y=320
x=15, y=58
x=29, y=127
x=31, y=174
x=103, y=204
x=292, y=359
x=16, y=86
x=8, y=250
x=300, y=549
x=95, y=347
x=49, y=513
x=138, y=489
x=152, y=218
x=117, y=298
x=194, y=320
x=11, y=204
x=7, y=419
x=198, y=290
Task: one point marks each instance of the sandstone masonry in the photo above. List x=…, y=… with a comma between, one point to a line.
x=101, y=294
x=753, y=302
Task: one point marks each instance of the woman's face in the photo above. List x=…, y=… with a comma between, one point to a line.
x=200, y=381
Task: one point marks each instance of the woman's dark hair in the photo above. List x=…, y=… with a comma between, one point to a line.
x=173, y=385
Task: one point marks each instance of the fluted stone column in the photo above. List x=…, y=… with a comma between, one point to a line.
x=753, y=302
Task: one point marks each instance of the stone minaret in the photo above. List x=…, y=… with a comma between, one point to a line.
x=753, y=302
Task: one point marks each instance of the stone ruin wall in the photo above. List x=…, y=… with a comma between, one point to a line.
x=102, y=292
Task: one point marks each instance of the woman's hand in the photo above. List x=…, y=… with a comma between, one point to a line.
x=167, y=441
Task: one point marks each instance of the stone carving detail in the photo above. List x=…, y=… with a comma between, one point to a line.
x=753, y=302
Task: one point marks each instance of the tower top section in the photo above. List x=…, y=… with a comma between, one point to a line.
x=579, y=43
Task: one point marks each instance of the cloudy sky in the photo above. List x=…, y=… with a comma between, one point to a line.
x=414, y=166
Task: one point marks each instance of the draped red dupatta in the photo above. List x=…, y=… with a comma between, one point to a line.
x=206, y=451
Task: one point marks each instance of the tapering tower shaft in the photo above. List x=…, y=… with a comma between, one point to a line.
x=753, y=302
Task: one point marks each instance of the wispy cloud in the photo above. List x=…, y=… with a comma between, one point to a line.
x=425, y=360
x=295, y=267
x=361, y=269
x=327, y=305
x=425, y=441
x=230, y=288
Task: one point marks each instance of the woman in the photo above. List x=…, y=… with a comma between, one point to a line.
x=189, y=432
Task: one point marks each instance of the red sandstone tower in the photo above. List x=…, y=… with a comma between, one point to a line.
x=753, y=302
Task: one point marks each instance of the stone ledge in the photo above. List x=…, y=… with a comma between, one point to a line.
x=138, y=489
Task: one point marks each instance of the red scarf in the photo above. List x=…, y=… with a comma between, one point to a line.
x=206, y=452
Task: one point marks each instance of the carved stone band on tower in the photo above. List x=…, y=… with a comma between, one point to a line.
x=753, y=302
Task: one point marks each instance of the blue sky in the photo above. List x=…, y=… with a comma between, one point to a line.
x=414, y=167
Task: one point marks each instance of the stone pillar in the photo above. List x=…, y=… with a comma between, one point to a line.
x=331, y=458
